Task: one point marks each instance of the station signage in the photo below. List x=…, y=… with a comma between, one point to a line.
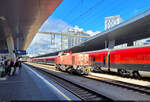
x=21, y=52
x=3, y=51
x=18, y=52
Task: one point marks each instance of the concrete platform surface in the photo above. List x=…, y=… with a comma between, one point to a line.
x=29, y=84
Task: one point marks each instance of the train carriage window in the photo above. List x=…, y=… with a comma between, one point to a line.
x=93, y=59
x=90, y=58
x=104, y=61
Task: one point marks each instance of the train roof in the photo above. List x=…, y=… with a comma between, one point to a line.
x=129, y=47
x=45, y=57
x=96, y=51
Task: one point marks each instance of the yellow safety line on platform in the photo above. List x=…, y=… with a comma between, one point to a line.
x=47, y=82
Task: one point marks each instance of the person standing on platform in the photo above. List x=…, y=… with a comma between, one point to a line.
x=16, y=67
x=20, y=65
x=11, y=68
x=3, y=73
x=2, y=62
x=6, y=66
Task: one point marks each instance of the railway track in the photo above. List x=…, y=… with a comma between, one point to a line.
x=134, y=87
x=124, y=85
x=83, y=93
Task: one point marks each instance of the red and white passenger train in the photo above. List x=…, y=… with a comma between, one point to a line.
x=134, y=61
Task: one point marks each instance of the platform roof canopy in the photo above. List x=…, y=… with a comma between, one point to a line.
x=128, y=31
x=21, y=20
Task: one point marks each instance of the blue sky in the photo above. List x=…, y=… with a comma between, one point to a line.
x=86, y=14
x=90, y=14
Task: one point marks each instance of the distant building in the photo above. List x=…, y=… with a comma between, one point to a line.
x=115, y=20
x=112, y=21
x=70, y=41
x=147, y=42
x=136, y=43
x=142, y=42
x=64, y=42
x=121, y=46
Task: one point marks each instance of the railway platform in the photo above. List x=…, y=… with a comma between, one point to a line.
x=30, y=84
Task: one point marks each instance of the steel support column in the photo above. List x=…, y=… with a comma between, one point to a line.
x=111, y=44
x=10, y=44
x=9, y=39
x=106, y=44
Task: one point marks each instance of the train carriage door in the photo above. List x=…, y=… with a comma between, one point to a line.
x=93, y=59
x=104, y=61
x=108, y=61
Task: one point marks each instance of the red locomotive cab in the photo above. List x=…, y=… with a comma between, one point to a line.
x=73, y=62
x=81, y=59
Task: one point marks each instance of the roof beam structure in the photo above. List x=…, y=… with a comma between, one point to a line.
x=24, y=18
x=64, y=34
x=128, y=31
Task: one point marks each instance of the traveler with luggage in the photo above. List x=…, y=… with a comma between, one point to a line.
x=6, y=66
x=16, y=66
x=11, y=68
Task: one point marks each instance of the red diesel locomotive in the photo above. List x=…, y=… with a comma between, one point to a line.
x=76, y=62
x=133, y=61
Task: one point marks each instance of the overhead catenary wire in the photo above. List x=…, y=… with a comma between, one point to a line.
x=91, y=8
x=88, y=22
x=88, y=19
x=69, y=13
x=112, y=11
x=124, y=15
x=81, y=15
x=93, y=16
x=82, y=2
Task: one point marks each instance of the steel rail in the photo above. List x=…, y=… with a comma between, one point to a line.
x=84, y=93
x=128, y=86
